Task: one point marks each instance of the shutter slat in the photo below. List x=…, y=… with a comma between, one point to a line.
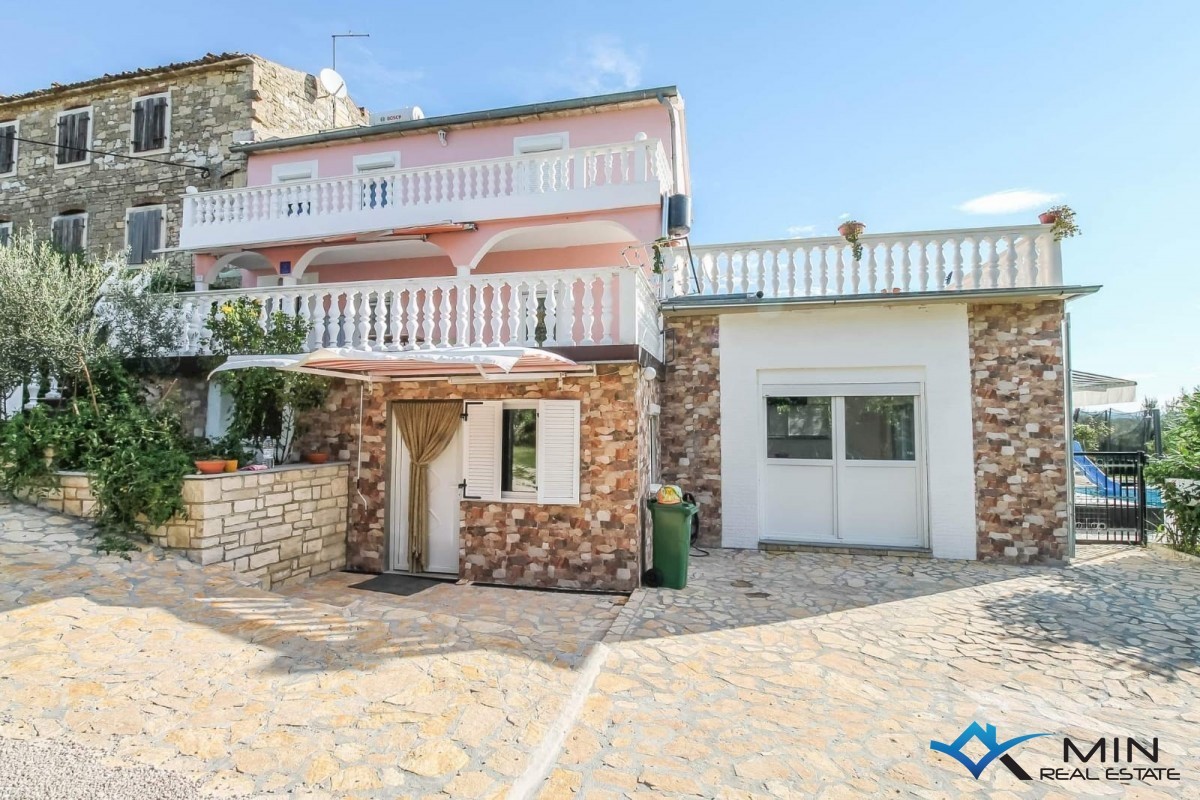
x=481, y=450
x=151, y=233
x=159, y=123
x=7, y=147
x=139, y=126
x=136, y=223
x=82, y=123
x=558, y=452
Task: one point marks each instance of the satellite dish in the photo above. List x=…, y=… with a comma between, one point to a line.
x=333, y=83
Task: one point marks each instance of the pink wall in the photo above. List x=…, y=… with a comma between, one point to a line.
x=471, y=144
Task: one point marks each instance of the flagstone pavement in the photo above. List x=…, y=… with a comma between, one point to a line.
x=771, y=675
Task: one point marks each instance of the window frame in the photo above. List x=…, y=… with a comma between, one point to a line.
x=558, y=452
x=166, y=125
x=6, y=227
x=520, y=405
x=563, y=139
x=362, y=163
x=87, y=155
x=162, y=226
x=281, y=179
x=15, y=124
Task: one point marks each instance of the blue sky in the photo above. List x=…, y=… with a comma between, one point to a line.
x=896, y=113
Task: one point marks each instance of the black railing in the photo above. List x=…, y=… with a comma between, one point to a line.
x=1112, y=503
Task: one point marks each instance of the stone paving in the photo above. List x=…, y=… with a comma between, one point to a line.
x=159, y=662
x=805, y=675
x=771, y=675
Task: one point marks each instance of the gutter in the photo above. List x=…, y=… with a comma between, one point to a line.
x=751, y=303
x=459, y=120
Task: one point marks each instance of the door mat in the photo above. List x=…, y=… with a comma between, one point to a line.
x=391, y=583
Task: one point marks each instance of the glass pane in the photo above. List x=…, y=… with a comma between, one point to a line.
x=881, y=428
x=520, y=450
x=799, y=427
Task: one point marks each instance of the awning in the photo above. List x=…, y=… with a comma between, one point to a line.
x=488, y=363
x=1090, y=389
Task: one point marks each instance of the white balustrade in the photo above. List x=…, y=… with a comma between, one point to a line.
x=928, y=261
x=559, y=181
x=565, y=308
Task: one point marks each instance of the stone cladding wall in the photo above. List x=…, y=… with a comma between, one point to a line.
x=1018, y=379
x=691, y=416
x=593, y=545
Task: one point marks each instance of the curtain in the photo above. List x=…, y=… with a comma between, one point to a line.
x=426, y=426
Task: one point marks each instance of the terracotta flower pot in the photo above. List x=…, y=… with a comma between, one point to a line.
x=210, y=467
x=231, y=465
x=1048, y=218
x=316, y=458
x=846, y=228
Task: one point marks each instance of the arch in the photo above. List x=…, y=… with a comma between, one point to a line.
x=387, y=250
x=242, y=259
x=565, y=234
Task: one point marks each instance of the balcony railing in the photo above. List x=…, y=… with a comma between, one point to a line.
x=561, y=181
x=927, y=261
x=566, y=308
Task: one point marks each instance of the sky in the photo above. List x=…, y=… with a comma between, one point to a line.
x=905, y=115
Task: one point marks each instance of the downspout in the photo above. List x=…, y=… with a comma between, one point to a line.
x=676, y=167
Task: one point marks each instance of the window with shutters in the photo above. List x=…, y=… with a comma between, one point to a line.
x=68, y=232
x=74, y=137
x=151, y=123
x=9, y=131
x=144, y=229
x=5, y=233
x=522, y=451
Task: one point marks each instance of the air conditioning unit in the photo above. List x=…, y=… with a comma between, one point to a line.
x=406, y=114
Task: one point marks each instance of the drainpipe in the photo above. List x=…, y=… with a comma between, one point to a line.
x=676, y=170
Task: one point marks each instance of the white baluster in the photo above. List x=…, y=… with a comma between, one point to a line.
x=495, y=317
x=362, y=330
x=566, y=313
x=606, y=308
x=992, y=280
x=462, y=320
x=1010, y=260
x=379, y=328
x=956, y=264
x=552, y=312
x=589, y=311
x=840, y=280
x=443, y=337
x=530, y=301
x=872, y=267
x=477, y=317
x=515, y=317
x=923, y=264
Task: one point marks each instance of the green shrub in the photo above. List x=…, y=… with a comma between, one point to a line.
x=1177, y=475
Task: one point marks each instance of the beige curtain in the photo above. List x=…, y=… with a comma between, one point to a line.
x=427, y=426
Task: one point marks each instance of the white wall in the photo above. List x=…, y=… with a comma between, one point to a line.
x=895, y=342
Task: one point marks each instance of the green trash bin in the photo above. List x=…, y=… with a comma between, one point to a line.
x=672, y=541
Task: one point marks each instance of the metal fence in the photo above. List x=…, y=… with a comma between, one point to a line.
x=1112, y=502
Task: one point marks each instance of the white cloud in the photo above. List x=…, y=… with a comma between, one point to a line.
x=1008, y=201
x=796, y=231
x=604, y=65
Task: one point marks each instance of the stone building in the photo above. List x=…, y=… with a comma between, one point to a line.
x=118, y=152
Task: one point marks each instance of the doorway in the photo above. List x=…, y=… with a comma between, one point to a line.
x=445, y=473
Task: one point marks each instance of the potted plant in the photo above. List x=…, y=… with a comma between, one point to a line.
x=231, y=447
x=1063, y=220
x=315, y=457
x=206, y=457
x=850, y=230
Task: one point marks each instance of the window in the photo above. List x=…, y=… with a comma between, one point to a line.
x=5, y=233
x=522, y=450
x=881, y=428
x=144, y=233
x=151, y=123
x=74, y=137
x=800, y=427
x=68, y=232
x=518, y=472
x=524, y=145
x=9, y=131
x=376, y=191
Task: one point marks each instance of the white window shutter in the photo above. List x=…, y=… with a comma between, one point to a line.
x=558, y=452
x=481, y=449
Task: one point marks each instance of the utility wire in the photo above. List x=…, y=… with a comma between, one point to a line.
x=202, y=170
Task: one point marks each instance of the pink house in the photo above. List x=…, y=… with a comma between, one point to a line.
x=528, y=265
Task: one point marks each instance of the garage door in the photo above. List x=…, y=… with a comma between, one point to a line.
x=842, y=465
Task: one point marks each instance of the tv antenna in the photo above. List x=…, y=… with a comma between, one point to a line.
x=346, y=35
x=333, y=83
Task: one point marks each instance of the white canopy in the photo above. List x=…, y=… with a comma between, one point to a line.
x=396, y=364
x=1090, y=389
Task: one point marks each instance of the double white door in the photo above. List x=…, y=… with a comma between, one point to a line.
x=842, y=465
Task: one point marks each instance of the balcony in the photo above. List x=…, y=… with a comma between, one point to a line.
x=891, y=263
x=569, y=181
x=560, y=309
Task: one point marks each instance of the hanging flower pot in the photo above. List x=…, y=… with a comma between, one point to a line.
x=1047, y=218
x=1063, y=220
x=850, y=230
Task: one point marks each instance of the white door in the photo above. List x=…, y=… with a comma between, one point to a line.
x=842, y=465
x=443, y=522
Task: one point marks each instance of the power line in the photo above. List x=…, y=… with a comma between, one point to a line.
x=202, y=170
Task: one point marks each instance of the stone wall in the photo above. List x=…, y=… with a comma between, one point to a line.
x=188, y=392
x=277, y=526
x=1018, y=379
x=210, y=103
x=593, y=545
x=691, y=416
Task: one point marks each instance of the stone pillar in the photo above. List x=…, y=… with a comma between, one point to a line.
x=1019, y=381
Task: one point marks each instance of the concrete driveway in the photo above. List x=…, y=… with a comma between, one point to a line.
x=770, y=676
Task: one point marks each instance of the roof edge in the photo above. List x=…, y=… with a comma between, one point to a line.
x=465, y=118
x=725, y=304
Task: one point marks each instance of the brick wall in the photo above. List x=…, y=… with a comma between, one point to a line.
x=592, y=545
x=278, y=526
x=691, y=416
x=1018, y=380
